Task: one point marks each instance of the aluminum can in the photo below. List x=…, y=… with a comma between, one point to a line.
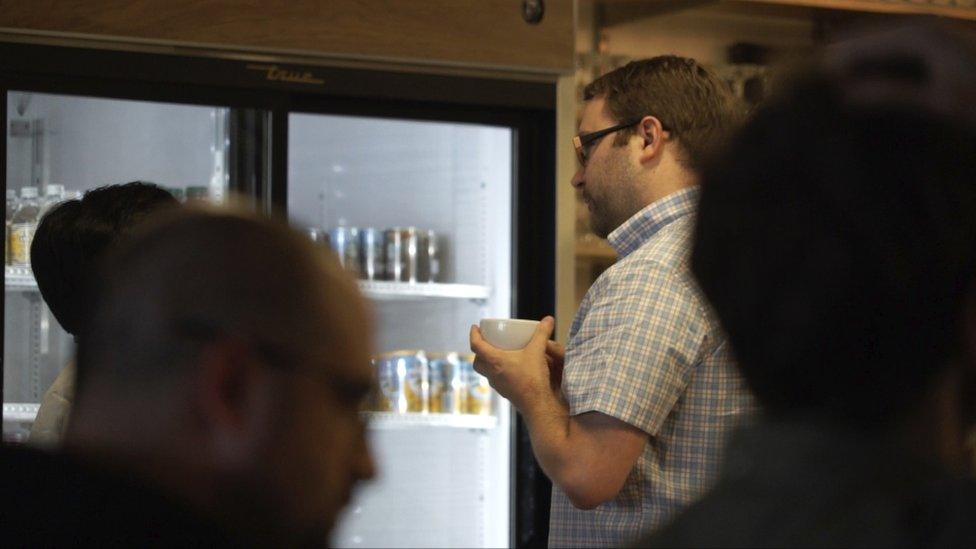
x=389, y=385
x=392, y=254
x=404, y=382
x=478, y=389
x=317, y=236
x=411, y=254
x=402, y=253
x=448, y=392
x=429, y=262
x=371, y=254
x=345, y=243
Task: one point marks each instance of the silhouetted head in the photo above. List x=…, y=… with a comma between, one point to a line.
x=73, y=235
x=837, y=235
x=238, y=353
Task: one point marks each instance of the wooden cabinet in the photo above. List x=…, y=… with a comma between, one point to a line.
x=960, y=9
x=483, y=33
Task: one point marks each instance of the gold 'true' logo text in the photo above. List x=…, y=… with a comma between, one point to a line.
x=275, y=73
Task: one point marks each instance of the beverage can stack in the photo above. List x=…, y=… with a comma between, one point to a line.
x=413, y=381
x=400, y=254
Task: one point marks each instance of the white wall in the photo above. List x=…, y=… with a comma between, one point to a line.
x=93, y=142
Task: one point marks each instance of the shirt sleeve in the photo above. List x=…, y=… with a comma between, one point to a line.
x=636, y=348
x=51, y=422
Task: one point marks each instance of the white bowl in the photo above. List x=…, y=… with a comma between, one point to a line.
x=510, y=334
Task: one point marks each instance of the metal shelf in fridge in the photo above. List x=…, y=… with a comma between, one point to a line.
x=390, y=420
x=20, y=412
x=388, y=290
x=19, y=279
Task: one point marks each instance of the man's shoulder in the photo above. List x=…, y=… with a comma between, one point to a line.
x=53, y=499
x=666, y=254
x=654, y=279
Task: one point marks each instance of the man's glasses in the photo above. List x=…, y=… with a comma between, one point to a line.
x=584, y=141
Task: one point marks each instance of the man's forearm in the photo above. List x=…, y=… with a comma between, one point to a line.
x=588, y=456
x=548, y=422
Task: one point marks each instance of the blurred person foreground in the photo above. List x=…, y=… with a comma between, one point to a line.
x=837, y=244
x=69, y=240
x=219, y=381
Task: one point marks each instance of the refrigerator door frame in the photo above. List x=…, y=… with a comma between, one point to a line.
x=278, y=87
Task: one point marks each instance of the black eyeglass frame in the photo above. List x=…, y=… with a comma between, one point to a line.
x=583, y=140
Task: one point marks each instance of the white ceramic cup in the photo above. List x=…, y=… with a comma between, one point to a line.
x=510, y=334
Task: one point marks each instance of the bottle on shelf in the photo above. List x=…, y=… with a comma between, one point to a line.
x=23, y=225
x=11, y=208
x=53, y=194
x=177, y=192
x=197, y=194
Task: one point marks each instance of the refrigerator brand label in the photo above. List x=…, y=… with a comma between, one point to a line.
x=275, y=73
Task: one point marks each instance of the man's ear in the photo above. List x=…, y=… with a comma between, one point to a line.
x=232, y=400
x=652, y=135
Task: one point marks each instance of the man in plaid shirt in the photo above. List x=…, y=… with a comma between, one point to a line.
x=630, y=420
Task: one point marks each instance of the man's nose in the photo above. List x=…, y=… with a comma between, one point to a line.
x=577, y=180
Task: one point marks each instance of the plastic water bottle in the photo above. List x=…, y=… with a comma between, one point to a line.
x=11, y=208
x=53, y=195
x=23, y=225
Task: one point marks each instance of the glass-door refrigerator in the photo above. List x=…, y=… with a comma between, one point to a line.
x=59, y=146
x=434, y=189
x=421, y=211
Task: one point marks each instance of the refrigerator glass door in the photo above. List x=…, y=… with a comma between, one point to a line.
x=58, y=147
x=444, y=477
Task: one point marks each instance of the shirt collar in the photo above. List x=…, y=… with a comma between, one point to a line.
x=652, y=218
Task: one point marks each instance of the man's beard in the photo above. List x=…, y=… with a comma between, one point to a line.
x=606, y=216
x=598, y=219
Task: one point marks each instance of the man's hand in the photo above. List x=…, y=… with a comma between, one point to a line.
x=523, y=376
x=590, y=455
x=556, y=357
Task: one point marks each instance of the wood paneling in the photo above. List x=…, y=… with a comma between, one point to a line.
x=960, y=9
x=487, y=33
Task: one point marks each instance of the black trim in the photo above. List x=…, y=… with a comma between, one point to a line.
x=6, y=241
x=278, y=201
x=535, y=263
x=248, y=163
x=259, y=154
x=131, y=68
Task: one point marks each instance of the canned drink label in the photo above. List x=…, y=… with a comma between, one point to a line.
x=448, y=394
x=437, y=375
x=393, y=257
x=479, y=395
x=476, y=387
x=456, y=398
x=428, y=261
x=20, y=243
x=345, y=243
x=371, y=255
x=416, y=383
x=410, y=249
x=390, y=387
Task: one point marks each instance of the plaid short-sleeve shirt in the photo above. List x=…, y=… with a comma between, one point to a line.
x=645, y=349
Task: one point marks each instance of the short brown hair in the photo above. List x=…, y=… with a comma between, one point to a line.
x=691, y=102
